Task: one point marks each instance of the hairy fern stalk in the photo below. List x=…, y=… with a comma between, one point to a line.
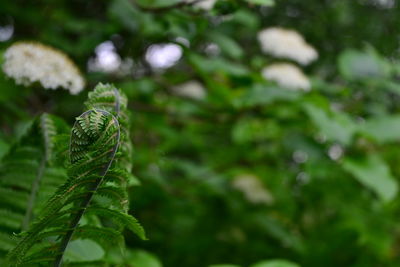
x=92, y=203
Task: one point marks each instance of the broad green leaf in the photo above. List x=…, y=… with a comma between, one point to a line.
x=126, y=13
x=247, y=19
x=278, y=231
x=133, y=19
x=275, y=263
x=355, y=65
x=218, y=64
x=224, y=265
x=83, y=250
x=336, y=126
x=382, y=129
x=228, y=45
x=374, y=173
x=260, y=95
x=141, y=258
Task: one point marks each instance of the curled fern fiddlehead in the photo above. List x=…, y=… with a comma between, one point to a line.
x=94, y=127
x=109, y=98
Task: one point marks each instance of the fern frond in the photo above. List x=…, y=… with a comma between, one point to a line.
x=10, y=219
x=105, y=236
x=24, y=169
x=121, y=176
x=120, y=218
x=115, y=194
x=7, y=241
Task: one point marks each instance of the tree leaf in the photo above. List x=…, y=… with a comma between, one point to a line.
x=374, y=174
x=355, y=65
x=228, y=45
x=143, y=258
x=260, y=95
x=336, y=126
x=382, y=129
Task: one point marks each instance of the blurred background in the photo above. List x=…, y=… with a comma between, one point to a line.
x=262, y=129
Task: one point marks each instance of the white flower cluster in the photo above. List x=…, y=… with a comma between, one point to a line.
x=285, y=43
x=252, y=188
x=33, y=62
x=286, y=75
x=384, y=3
x=203, y=4
x=191, y=89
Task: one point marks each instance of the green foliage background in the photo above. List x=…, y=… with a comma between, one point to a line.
x=324, y=212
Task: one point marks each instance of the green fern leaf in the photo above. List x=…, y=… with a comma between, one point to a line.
x=24, y=170
x=102, y=235
x=120, y=218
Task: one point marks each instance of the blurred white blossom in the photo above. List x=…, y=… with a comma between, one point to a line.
x=183, y=41
x=191, y=89
x=335, y=152
x=163, y=56
x=106, y=59
x=203, y=4
x=212, y=49
x=300, y=156
x=252, y=188
x=303, y=178
x=287, y=75
x=34, y=62
x=285, y=43
x=384, y=3
x=6, y=32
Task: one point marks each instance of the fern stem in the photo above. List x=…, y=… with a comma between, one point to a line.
x=39, y=176
x=74, y=223
x=33, y=194
x=85, y=203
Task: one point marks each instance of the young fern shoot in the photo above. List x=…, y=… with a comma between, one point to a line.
x=91, y=126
